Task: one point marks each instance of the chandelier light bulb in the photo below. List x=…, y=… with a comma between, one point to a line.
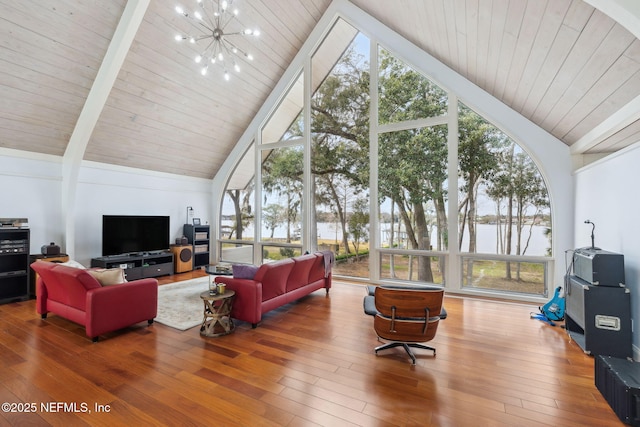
x=212, y=27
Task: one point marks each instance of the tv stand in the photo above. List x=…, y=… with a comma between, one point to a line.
x=138, y=265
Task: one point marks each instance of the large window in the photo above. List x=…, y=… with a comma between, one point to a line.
x=236, y=231
x=503, y=209
x=340, y=149
x=412, y=172
x=408, y=186
x=282, y=192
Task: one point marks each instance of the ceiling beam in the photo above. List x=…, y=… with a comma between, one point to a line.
x=613, y=124
x=627, y=14
x=624, y=12
x=123, y=36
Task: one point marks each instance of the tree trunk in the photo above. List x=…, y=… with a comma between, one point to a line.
x=471, y=223
x=288, y=217
x=462, y=226
x=425, y=273
x=509, y=234
x=341, y=216
x=443, y=230
x=313, y=244
x=411, y=235
x=392, y=269
x=441, y=218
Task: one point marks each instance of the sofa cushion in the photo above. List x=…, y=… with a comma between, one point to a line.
x=317, y=272
x=274, y=276
x=299, y=275
x=244, y=271
x=108, y=276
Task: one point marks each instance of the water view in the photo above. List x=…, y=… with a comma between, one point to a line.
x=487, y=238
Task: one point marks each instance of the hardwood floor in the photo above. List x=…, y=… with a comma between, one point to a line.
x=308, y=363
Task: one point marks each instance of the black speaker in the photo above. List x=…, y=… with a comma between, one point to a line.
x=182, y=258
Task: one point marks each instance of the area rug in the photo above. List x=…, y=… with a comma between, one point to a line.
x=179, y=303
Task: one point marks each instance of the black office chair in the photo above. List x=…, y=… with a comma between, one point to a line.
x=405, y=316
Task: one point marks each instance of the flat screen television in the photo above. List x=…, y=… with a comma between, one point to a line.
x=124, y=234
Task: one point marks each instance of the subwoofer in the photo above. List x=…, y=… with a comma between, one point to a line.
x=182, y=258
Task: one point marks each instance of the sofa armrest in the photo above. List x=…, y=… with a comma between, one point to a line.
x=247, y=305
x=113, y=307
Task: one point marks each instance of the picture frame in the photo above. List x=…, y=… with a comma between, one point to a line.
x=196, y=221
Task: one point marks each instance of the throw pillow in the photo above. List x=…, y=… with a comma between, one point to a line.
x=74, y=264
x=244, y=271
x=108, y=276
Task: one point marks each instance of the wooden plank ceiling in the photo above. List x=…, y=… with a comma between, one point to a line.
x=561, y=63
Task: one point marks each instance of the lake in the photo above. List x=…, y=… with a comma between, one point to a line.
x=485, y=242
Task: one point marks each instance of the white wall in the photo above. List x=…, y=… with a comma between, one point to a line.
x=606, y=193
x=31, y=187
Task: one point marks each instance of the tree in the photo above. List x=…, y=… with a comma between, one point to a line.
x=411, y=173
x=359, y=224
x=242, y=210
x=413, y=163
x=517, y=183
x=477, y=161
x=282, y=175
x=340, y=137
x=272, y=216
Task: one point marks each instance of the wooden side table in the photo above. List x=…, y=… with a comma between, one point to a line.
x=217, y=314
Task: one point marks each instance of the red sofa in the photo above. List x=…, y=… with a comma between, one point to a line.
x=278, y=283
x=76, y=295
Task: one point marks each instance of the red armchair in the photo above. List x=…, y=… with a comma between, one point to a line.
x=76, y=295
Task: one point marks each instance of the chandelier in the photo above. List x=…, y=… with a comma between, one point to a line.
x=209, y=26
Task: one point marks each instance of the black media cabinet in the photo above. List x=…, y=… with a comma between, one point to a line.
x=138, y=266
x=198, y=236
x=14, y=264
